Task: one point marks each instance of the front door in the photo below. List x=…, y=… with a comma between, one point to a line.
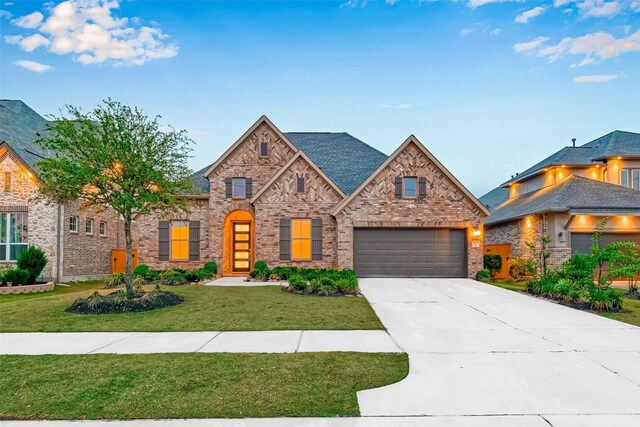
x=241, y=249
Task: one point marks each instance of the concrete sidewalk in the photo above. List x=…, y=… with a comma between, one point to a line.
x=203, y=342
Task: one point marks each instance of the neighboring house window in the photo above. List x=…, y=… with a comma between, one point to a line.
x=630, y=178
x=264, y=149
x=300, y=184
x=180, y=240
x=7, y=181
x=13, y=235
x=410, y=187
x=88, y=226
x=103, y=228
x=300, y=239
x=73, y=224
x=239, y=188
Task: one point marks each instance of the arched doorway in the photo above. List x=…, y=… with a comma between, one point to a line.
x=238, y=245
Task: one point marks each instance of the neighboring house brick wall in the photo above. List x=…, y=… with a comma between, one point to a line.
x=446, y=206
x=146, y=237
x=281, y=200
x=244, y=161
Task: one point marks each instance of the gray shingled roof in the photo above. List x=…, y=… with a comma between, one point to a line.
x=495, y=198
x=572, y=193
x=20, y=126
x=346, y=160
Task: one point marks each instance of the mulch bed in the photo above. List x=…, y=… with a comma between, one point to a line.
x=117, y=302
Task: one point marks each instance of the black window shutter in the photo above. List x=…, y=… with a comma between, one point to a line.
x=249, y=187
x=163, y=240
x=300, y=184
x=398, y=185
x=227, y=187
x=194, y=240
x=285, y=239
x=316, y=238
x=422, y=187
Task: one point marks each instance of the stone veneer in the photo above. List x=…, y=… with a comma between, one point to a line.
x=446, y=206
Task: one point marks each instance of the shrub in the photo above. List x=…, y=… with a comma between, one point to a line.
x=520, y=269
x=197, y=275
x=153, y=275
x=604, y=298
x=141, y=270
x=483, y=275
x=173, y=277
x=297, y=282
x=17, y=276
x=33, y=260
x=578, y=269
x=116, y=280
x=283, y=273
x=211, y=267
x=493, y=263
x=3, y=271
x=117, y=302
x=260, y=265
x=260, y=274
x=347, y=287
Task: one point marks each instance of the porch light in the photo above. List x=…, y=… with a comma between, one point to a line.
x=477, y=232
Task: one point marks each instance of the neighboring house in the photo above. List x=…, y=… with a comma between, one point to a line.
x=78, y=243
x=566, y=195
x=322, y=200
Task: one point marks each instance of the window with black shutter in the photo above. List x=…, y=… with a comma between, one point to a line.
x=264, y=149
x=300, y=184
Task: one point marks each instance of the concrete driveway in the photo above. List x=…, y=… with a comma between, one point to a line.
x=476, y=349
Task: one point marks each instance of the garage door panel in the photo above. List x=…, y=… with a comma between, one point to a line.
x=581, y=242
x=400, y=252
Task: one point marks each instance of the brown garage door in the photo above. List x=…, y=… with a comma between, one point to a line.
x=410, y=252
x=581, y=242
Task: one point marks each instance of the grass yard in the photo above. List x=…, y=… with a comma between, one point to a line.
x=631, y=307
x=191, y=385
x=207, y=308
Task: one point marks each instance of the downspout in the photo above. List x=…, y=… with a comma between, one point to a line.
x=58, y=243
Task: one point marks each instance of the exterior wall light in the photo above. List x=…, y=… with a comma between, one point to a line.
x=477, y=232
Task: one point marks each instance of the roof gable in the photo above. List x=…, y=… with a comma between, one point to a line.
x=412, y=140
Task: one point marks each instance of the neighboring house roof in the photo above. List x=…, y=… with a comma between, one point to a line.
x=574, y=194
x=495, y=198
x=614, y=144
x=20, y=126
x=411, y=140
x=200, y=181
x=346, y=160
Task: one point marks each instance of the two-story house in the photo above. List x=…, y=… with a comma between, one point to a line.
x=322, y=200
x=566, y=195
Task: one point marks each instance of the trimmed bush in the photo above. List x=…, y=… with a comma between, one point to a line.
x=197, y=275
x=116, y=280
x=33, y=260
x=483, y=275
x=260, y=265
x=520, y=269
x=604, y=298
x=260, y=274
x=297, y=282
x=323, y=282
x=211, y=267
x=493, y=263
x=141, y=270
x=117, y=302
x=17, y=276
x=173, y=277
x=283, y=273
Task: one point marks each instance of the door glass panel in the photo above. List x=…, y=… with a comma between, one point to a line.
x=242, y=227
x=242, y=255
x=242, y=237
x=241, y=265
x=241, y=246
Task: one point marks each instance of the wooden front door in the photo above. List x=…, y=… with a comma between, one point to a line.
x=241, y=247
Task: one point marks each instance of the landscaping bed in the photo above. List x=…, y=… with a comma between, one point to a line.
x=118, y=302
x=195, y=385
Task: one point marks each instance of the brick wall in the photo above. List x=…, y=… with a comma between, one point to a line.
x=281, y=200
x=446, y=206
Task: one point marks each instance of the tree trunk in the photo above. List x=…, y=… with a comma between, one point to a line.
x=128, y=271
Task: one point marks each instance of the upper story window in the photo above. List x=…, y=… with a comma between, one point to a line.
x=410, y=187
x=630, y=178
x=88, y=226
x=7, y=181
x=13, y=235
x=73, y=224
x=299, y=184
x=264, y=149
x=179, y=240
x=103, y=228
x=239, y=189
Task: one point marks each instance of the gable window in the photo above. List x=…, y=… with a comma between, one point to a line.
x=239, y=188
x=13, y=235
x=179, y=240
x=73, y=224
x=410, y=187
x=300, y=239
x=630, y=178
x=88, y=226
x=7, y=181
x=103, y=229
x=264, y=149
x=300, y=184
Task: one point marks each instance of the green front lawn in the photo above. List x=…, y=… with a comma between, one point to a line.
x=207, y=308
x=195, y=385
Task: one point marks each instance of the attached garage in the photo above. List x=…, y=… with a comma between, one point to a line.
x=581, y=242
x=410, y=252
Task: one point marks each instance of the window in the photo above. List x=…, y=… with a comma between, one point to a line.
x=7, y=181
x=73, y=224
x=300, y=184
x=264, y=149
x=635, y=179
x=410, y=187
x=88, y=226
x=630, y=178
x=103, y=228
x=300, y=239
x=180, y=240
x=13, y=235
x=239, y=188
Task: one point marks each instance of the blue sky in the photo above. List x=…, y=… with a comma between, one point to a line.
x=489, y=86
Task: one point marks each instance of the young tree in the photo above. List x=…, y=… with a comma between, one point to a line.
x=116, y=157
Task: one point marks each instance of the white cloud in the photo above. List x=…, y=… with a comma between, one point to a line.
x=526, y=16
x=89, y=30
x=596, y=78
x=391, y=2
x=495, y=31
x=466, y=31
x=477, y=3
x=593, y=47
x=599, y=8
x=28, y=43
x=5, y=14
x=33, y=66
x=527, y=46
x=635, y=6
x=560, y=3
x=31, y=20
